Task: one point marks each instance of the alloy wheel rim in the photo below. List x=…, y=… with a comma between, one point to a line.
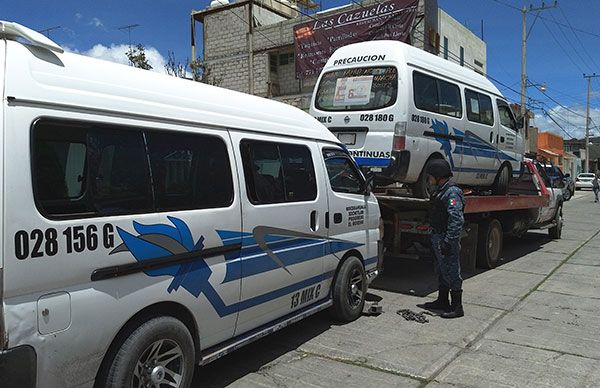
x=160, y=365
x=355, y=289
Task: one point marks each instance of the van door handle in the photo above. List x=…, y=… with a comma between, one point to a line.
x=337, y=218
x=491, y=137
x=327, y=220
x=313, y=220
x=497, y=138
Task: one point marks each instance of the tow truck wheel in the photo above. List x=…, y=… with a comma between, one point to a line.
x=159, y=352
x=349, y=290
x=556, y=231
x=489, y=244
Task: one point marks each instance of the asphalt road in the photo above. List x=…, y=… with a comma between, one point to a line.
x=530, y=322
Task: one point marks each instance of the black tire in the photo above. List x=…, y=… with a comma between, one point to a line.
x=556, y=231
x=421, y=188
x=567, y=195
x=349, y=291
x=502, y=181
x=144, y=346
x=489, y=244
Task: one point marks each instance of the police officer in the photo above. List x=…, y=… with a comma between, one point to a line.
x=447, y=220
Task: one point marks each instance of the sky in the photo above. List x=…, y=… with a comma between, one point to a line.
x=562, y=45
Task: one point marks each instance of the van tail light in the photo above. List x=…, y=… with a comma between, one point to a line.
x=399, y=136
x=381, y=228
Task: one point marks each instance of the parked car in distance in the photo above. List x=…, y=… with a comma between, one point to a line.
x=584, y=181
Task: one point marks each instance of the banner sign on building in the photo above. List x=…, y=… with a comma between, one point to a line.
x=316, y=40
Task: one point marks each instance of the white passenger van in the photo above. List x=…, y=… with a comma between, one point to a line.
x=151, y=224
x=397, y=107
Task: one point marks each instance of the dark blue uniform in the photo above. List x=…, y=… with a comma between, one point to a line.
x=447, y=221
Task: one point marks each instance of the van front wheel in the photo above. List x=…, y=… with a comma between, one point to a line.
x=349, y=291
x=160, y=352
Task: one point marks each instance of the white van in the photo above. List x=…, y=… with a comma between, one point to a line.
x=151, y=224
x=397, y=107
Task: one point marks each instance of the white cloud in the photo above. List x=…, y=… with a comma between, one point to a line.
x=97, y=23
x=117, y=53
x=571, y=119
x=78, y=16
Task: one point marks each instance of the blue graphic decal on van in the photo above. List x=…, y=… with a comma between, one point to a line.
x=471, y=145
x=264, y=250
x=441, y=128
x=161, y=240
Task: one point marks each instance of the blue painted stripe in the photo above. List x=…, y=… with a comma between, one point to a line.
x=263, y=263
x=474, y=169
x=380, y=162
x=277, y=245
x=223, y=310
x=370, y=261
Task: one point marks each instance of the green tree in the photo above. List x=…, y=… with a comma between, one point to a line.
x=137, y=57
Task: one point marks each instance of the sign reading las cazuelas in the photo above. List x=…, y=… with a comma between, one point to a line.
x=316, y=40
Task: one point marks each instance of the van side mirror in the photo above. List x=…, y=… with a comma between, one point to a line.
x=369, y=182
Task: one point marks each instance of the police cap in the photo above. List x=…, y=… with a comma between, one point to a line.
x=439, y=168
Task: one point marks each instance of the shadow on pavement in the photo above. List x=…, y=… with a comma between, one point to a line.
x=251, y=358
x=416, y=277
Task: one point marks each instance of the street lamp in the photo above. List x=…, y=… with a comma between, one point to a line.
x=541, y=87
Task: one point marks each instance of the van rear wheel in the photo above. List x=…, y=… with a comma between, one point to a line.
x=421, y=188
x=349, y=291
x=159, y=352
x=502, y=181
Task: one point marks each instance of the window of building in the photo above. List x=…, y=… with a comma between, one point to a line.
x=462, y=56
x=273, y=63
x=445, y=47
x=479, y=107
x=189, y=171
x=278, y=172
x=436, y=95
x=343, y=175
x=286, y=58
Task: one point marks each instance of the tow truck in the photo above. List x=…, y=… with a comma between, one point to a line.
x=532, y=202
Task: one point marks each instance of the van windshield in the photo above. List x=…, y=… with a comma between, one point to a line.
x=362, y=88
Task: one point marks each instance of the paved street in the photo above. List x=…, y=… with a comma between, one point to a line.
x=531, y=322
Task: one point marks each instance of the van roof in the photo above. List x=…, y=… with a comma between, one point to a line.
x=396, y=51
x=40, y=72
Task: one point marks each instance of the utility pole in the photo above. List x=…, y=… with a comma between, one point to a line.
x=524, y=36
x=587, y=122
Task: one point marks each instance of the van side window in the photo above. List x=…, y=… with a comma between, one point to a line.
x=189, y=171
x=479, y=107
x=506, y=116
x=343, y=175
x=278, y=172
x=80, y=169
x=435, y=95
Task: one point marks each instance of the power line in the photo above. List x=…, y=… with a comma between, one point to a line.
x=577, y=37
x=571, y=44
x=543, y=18
x=561, y=47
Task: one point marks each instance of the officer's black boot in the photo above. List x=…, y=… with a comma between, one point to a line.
x=456, y=306
x=442, y=303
